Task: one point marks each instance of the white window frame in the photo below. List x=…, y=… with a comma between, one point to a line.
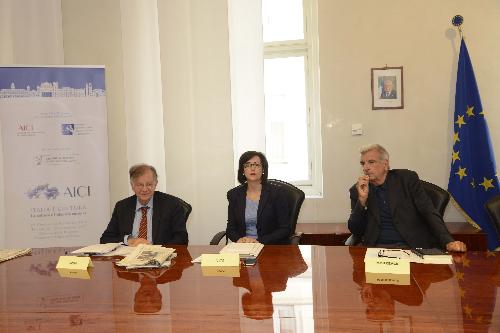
x=308, y=48
x=246, y=49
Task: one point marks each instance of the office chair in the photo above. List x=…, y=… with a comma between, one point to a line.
x=493, y=209
x=438, y=196
x=185, y=207
x=295, y=198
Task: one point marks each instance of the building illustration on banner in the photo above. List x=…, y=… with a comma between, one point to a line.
x=48, y=89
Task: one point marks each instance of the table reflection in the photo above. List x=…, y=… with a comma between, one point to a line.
x=148, y=298
x=478, y=278
x=267, y=276
x=380, y=298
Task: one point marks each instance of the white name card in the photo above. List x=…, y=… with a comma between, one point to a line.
x=387, y=265
x=389, y=261
x=220, y=260
x=384, y=278
x=74, y=263
x=230, y=271
x=75, y=273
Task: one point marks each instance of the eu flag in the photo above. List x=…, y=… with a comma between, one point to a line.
x=473, y=178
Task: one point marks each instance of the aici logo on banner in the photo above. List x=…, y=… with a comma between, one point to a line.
x=25, y=128
x=67, y=129
x=81, y=191
x=77, y=191
x=48, y=192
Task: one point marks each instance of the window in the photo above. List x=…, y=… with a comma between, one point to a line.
x=292, y=113
x=275, y=87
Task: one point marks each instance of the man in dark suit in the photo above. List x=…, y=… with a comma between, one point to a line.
x=388, y=91
x=390, y=208
x=149, y=216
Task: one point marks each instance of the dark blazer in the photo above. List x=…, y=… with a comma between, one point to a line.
x=392, y=95
x=413, y=213
x=169, y=226
x=273, y=225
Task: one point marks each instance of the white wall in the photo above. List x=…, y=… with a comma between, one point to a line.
x=30, y=34
x=196, y=98
x=358, y=35
x=93, y=35
x=187, y=87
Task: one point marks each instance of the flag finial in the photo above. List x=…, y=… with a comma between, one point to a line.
x=457, y=21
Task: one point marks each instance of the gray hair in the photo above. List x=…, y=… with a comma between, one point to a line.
x=138, y=170
x=384, y=155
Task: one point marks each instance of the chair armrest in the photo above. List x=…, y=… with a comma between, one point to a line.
x=217, y=238
x=295, y=238
x=353, y=240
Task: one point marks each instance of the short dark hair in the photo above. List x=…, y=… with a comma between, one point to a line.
x=138, y=170
x=245, y=157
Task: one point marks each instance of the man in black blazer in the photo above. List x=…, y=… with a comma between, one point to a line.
x=390, y=208
x=161, y=214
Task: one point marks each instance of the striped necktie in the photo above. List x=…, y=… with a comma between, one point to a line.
x=143, y=226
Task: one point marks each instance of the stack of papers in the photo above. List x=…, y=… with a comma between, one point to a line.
x=7, y=254
x=148, y=256
x=96, y=249
x=245, y=250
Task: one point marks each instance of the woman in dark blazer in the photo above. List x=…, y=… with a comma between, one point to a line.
x=257, y=211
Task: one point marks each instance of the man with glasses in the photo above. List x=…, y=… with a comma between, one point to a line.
x=390, y=208
x=149, y=216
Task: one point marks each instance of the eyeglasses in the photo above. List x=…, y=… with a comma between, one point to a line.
x=148, y=186
x=393, y=253
x=252, y=165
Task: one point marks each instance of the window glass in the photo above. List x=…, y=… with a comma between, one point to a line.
x=286, y=118
x=282, y=20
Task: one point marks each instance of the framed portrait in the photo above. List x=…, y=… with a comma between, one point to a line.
x=387, y=88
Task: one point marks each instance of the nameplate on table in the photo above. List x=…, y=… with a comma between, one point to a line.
x=230, y=271
x=388, y=261
x=74, y=263
x=385, y=278
x=84, y=274
x=220, y=260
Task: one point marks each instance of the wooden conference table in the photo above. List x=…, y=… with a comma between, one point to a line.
x=291, y=289
x=335, y=234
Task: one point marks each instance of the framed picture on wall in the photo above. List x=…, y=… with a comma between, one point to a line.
x=387, y=88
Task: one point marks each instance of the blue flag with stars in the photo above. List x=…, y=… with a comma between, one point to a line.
x=473, y=178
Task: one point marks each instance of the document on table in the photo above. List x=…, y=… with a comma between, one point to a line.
x=245, y=250
x=7, y=254
x=148, y=256
x=121, y=251
x=97, y=249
